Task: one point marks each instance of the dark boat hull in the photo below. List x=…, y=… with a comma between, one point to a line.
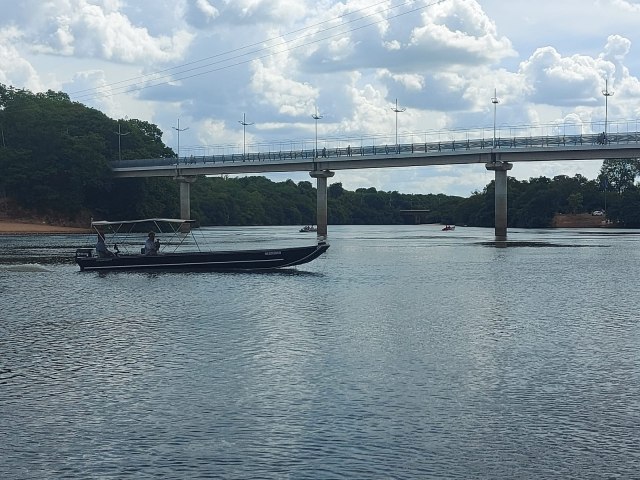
x=209, y=261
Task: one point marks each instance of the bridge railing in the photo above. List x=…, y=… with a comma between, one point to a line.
x=435, y=147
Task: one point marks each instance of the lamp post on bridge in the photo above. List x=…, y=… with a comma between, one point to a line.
x=606, y=94
x=316, y=117
x=2, y=126
x=495, y=102
x=397, y=110
x=178, y=129
x=244, y=124
x=120, y=135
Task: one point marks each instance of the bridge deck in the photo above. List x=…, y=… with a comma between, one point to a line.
x=515, y=149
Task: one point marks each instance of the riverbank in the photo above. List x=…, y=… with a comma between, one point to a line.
x=15, y=227
x=579, y=220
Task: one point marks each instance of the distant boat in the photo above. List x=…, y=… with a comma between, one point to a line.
x=309, y=228
x=448, y=227
x=89, y=259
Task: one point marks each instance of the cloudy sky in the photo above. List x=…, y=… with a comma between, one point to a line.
x=209, y=62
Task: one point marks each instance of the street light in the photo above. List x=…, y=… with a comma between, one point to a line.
x=178, y=129
x=397, y=110
x=244, y=124
x=495, y=102
x=316, y=117
x=2, y=126
x=606, y=94
x=120, y=135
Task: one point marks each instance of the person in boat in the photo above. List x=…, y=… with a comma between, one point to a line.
x=151, y=245
x=101, y=247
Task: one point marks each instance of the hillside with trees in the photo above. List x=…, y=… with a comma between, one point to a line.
x=55, y=159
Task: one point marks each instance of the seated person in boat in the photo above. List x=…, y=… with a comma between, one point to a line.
x=101, y=247
x=151, y=245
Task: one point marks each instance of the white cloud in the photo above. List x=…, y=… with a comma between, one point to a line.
x=286, y=95
x=207, y=9
x=265, y=12
x=410, y=81
x=216, y=132
x=627, y=5
x=460, y=30
x=15, y=70
x=201, y=13
x=98, y=30
x=559, y=80
x=617, y=48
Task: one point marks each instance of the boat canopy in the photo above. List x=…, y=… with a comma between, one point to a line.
x=145, y=220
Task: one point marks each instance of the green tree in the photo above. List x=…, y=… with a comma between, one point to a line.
x=55, y=155
x=619, y=174
x=575, y=202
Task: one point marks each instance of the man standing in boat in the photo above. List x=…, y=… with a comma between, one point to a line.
x=151, y=245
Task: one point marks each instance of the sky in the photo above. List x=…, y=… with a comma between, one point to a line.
x=197, y=68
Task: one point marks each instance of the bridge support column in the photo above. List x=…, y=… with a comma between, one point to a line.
x=500, y=169
x=185, y=197
x=321, y=189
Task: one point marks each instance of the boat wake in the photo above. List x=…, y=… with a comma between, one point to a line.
x=31, y=267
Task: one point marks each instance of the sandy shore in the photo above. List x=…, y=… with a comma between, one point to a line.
x=14, y=227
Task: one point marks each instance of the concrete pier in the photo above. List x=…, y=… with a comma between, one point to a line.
x=321, y=189
x=500, y=169
x=185, y=197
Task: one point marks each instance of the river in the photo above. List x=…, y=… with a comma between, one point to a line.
x=405, y=352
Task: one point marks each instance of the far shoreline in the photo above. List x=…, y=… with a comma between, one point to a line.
x=26, y=227
x=16, y=227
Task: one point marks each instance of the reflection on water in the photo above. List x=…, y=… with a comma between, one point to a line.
x=404, y=352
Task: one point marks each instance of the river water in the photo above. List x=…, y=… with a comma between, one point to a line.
x=405, y=352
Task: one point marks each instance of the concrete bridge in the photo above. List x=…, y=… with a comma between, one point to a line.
x=498, y=155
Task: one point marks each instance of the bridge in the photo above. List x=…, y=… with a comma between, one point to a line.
x=497, y=154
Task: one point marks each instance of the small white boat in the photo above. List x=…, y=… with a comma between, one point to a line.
x=309, y=228
x=448, y=228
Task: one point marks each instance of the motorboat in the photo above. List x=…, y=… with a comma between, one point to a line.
x=448, y=228
x=309, y=228
x=178, y=254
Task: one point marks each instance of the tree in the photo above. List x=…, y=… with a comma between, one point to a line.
x=619, y=174
x=56, y=155
x=575, y=202
x=335, y=190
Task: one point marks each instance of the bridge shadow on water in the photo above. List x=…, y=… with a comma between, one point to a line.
x=529, y=243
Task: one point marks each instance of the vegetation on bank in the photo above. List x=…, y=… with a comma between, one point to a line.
x=55, y=159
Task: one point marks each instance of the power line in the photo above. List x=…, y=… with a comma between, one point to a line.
x=133, y=87
x=233, y=50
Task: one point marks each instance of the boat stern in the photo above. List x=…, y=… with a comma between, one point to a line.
x=81, y=255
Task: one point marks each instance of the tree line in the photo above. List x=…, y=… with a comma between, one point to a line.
x=55, y=158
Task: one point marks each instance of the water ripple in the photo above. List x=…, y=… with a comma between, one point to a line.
x=401, y=355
